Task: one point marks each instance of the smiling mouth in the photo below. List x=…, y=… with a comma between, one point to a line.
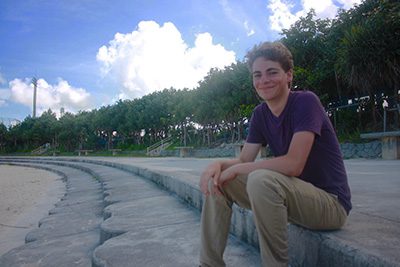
x=266, y=88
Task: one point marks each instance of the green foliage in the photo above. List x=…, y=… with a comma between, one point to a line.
x=350, y=136
x=369, y=52
x=356, y=53
x=308, y=41
x=246, y=110
x=3, y=137
x=346, y=121
x=132, y=147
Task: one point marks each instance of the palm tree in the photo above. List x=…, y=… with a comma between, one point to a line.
x=369, y=55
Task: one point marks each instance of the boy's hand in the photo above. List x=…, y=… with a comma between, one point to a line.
x=226, y=176
x=210, y=174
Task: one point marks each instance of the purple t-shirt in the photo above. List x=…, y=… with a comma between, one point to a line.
x=304, y=112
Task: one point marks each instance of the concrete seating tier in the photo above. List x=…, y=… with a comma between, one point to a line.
x=69, y=234
x=84, y=151
x=111, y=217
x=150, y=217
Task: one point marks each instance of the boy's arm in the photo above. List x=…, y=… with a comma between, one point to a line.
x=214, y=170
x=247, y=154
x=291, y=164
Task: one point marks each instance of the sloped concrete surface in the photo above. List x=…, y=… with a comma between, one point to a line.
x=67, y=251
x=144, y=214
x=371, y=236
x=113, y=217
x=69, y=235
x=167, y=246
x=150, y=217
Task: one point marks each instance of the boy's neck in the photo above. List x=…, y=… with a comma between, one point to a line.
x=278, y=105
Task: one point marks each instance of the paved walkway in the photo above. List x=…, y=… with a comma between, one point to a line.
x=145, y=226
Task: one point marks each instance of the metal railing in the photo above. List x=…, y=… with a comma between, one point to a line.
x=41, y=150
x=155, y=149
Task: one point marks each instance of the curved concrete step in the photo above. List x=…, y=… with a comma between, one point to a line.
x=370, y=237
x=68, y=236
x=137, y=208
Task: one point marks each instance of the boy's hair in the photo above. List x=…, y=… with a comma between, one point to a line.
x=274, y=51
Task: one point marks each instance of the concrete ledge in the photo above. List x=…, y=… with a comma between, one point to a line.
x=318, y=249
x=359, y=243
x=85, y=151
x=146, y=223
x=377, y=135
x=390, y=143
x=69, y=234
x=184, y=151
x=115, y=151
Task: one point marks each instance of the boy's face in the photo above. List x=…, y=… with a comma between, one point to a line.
x=270, y=80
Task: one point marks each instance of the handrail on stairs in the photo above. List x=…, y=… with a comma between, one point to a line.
x=40, y=150
x=159, y=145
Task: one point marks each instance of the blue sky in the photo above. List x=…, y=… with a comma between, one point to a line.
x=89, y=53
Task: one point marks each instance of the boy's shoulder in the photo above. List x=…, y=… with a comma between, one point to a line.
x=304, y=98
x=304, y=95
x=260, y=107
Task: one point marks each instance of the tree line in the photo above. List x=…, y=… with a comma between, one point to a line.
x=351, y=62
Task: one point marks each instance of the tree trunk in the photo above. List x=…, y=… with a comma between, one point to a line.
x=233, y=133
x=337, y=86
x=239, y=131
x=396, y=97
x=208, y=137
x=373, y=108
x=184, y=135
x=109, y=143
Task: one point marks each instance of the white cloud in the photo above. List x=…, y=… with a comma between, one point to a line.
x=55, y=97
x=2, y=80
x=283, y=17
x=323, y=8
x=4, y=96
x=237, y=15
x=347, y=4
x=4, y=93
x=249, y=30
x=155, y=57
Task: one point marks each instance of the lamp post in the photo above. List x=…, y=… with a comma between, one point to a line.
x=385, y=106
x=34, y=82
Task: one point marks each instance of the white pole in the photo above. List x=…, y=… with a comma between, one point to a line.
x=34, y=82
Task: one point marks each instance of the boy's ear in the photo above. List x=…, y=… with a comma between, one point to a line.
x=289, y=74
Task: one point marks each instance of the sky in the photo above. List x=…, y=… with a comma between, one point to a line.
x=89, y=53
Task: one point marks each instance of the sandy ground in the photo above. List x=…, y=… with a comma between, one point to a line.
x=26, y=196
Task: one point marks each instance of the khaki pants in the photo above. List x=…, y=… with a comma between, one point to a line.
x=275, y=200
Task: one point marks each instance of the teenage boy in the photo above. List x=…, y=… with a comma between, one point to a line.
x=305, y=183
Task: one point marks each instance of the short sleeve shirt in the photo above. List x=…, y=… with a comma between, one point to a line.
x=324, y=167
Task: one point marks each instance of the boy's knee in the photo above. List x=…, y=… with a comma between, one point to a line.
x=262, y=182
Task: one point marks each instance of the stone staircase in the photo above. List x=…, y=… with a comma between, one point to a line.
x=155, y=149
x=41, y=150
x=150, y=217
x=113, y=217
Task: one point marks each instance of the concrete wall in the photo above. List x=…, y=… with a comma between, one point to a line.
x=349, y=150
x=365, y=150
